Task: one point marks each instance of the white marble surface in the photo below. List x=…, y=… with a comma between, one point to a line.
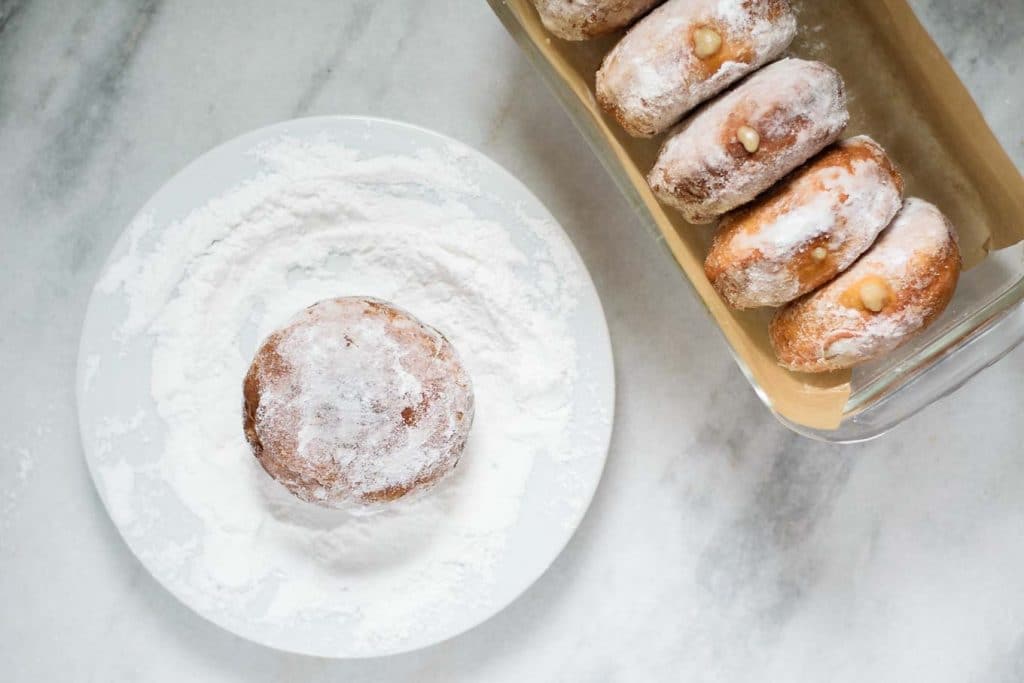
x=720, y=547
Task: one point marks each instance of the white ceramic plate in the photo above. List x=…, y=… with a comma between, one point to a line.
x=119, y=423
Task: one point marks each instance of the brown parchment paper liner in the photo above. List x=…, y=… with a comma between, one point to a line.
x=902, y=92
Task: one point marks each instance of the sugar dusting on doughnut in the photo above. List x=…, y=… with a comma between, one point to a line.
x=810, y=227
x=583, y=19
x=796, y=107
x=657, y=72
x=355, y=401
x=893, y=292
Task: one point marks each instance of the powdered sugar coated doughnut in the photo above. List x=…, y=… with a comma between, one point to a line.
x=355, y=401
x=892, y=293
x=746, y=140
x=810, y=227
x=583, y=19
x=662, y=69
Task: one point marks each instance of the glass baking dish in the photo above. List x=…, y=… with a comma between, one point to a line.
x=982, y=324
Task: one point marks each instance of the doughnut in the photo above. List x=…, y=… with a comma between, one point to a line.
x=896, y=289
x=355, y=402
x=685, y=52
x=584, y=19
x=742, y=143
x=808, y=228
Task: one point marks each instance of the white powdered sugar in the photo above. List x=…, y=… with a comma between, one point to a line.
x=792, y=229
x=653, y=77
x=765, y=278
x=797, y=107
x=868, y=207
x=321, y=222
x=840, y=201
x=582, y=19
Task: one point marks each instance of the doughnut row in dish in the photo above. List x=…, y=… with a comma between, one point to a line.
x=816, y=226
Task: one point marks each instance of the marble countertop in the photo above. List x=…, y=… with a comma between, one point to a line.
x=720, y=546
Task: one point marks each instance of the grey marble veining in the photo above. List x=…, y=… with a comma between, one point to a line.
x=720, y=547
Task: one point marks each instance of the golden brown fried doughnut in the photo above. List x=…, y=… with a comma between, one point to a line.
x=745, y=141
x=685, y=52
x=583, y=19
x=896, y=289
x=355, y=401
x=809, y=228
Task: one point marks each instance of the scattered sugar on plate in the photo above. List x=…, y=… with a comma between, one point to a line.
x=322, y=221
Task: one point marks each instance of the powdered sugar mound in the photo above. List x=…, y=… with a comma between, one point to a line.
x=321, y=222
x=797, y=107
x=653, y=77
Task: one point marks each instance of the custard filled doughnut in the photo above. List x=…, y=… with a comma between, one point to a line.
x=355, y=401
x=583, y=19
x=893, y=292
x=809, y=228
x=685, y=52
x=746, y=140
